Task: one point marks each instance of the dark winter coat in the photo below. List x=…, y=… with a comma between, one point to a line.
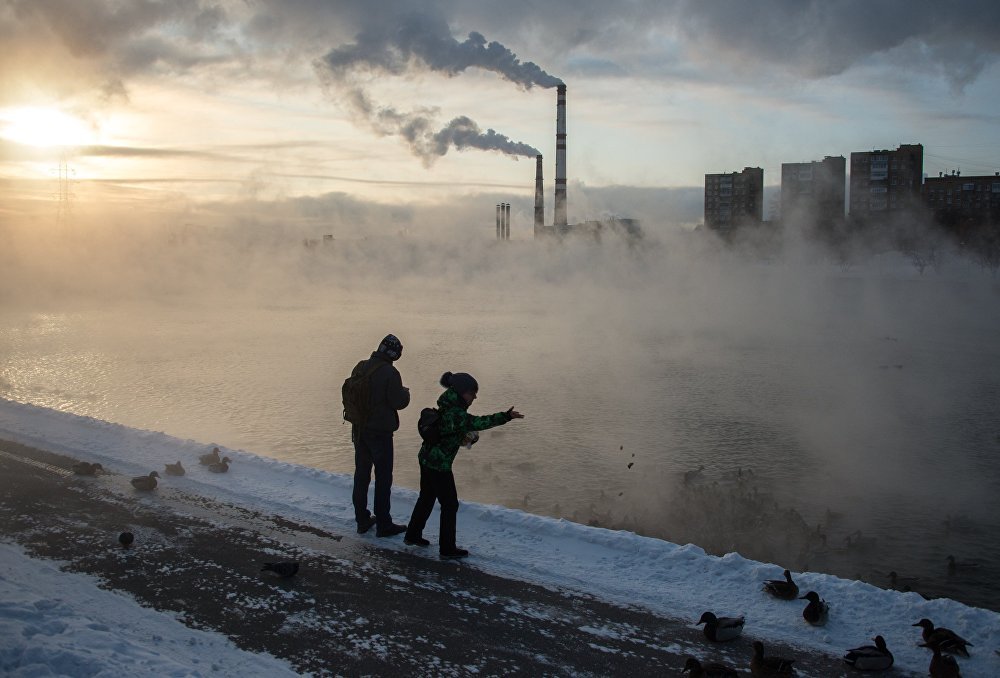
x=455, y=422
x=387, y=396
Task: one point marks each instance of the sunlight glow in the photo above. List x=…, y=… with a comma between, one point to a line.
x=37, y=126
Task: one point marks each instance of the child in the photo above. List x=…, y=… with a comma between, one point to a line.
x=437, y=482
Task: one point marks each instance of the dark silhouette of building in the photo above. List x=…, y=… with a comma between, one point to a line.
x=963, y=205
x=812, y=193
x=885, y=183
x=735, y=199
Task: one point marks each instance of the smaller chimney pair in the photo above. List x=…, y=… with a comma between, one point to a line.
x=503, y=221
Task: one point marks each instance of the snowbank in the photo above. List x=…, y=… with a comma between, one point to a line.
x=668, y=579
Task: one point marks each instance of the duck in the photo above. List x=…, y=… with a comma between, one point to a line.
x=785, y=589
x=220, y=467
x=146, y=482
x=721, y=629
x=870, y=657
x=817, y=611
x=283, y=569
x=84, y=468
x=945, y=639
x=712, y=670
x=858, y=541
x=901, y=583
x=691, y=475
x=126, y=539
x=954, y=565
x=210, y=458
x=768, y=666
x=174, y=469
x=942, y=665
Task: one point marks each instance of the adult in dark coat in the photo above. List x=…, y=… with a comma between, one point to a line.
x=373, y=440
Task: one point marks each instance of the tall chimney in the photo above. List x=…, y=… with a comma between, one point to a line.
x=539, y=197
x=506, y=233
x=499, y=213
x=559, y=217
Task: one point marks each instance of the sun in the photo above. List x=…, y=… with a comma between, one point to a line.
x=38, y=126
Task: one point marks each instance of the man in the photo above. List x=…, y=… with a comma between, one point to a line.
x=373, y=440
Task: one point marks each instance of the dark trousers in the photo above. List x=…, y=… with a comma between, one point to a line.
x=373, y=449
x=439, y=486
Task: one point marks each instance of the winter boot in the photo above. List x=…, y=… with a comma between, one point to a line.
x=454, y=554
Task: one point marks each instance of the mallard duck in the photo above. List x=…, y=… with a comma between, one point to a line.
x=817, y=611
x=785, y=588
x=146, y=482
x=768, y=666
x=946, y=639
x=721, y=629
x=126, y=539
x=954, y=565
x=221, y=467
x=870, y=657
x=210, y=458
x=284, y=569
x=84, y=468
x=941, y=666
x=174, y=469
x=713, y=670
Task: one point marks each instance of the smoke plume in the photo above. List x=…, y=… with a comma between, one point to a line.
x=426, y=38
x=417, y=128
x=421, y=40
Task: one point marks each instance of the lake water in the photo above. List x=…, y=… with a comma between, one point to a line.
x=843, y=420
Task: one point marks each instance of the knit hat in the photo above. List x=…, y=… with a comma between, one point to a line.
x=460, y=382
x=391, y=347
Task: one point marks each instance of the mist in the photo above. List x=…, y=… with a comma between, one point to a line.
x=821, y=396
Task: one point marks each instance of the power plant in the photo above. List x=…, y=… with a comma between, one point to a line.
x=560, y=224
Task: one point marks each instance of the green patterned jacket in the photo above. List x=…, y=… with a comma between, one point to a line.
x=455, y=422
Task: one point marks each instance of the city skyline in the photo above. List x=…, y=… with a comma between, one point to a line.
x=316, y=108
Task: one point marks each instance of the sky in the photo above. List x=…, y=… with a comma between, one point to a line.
x=671, y=580
x=354, y=118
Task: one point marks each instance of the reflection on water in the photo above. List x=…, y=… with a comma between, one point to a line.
x=827, y=441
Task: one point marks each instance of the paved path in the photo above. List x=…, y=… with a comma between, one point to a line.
x=354, y=608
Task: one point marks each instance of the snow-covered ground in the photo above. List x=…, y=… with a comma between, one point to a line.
x=55, y=623
x=668, y=579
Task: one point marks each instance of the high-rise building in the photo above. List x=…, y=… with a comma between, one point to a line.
x=886, y=182
x=734, y=199
x=963, y=204
x=812, y=193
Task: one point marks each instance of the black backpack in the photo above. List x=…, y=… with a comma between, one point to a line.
x=429, y=426
x=356, y=392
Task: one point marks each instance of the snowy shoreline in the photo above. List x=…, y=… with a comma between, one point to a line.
x=670, y=580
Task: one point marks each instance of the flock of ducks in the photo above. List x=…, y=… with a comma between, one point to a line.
x=215, y=464
x=941, y=641
x=146, y=483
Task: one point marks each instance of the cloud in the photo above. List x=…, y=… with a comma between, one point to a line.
x=817, y=39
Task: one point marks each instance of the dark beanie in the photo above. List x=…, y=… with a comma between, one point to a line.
x=460, y=382
x=391, y=347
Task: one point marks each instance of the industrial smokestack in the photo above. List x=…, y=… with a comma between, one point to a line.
x=559, y=217
x=499, y=217
x=506, y=233
x=539, y=196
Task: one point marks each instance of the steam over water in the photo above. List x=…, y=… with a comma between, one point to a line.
x=846, y=418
